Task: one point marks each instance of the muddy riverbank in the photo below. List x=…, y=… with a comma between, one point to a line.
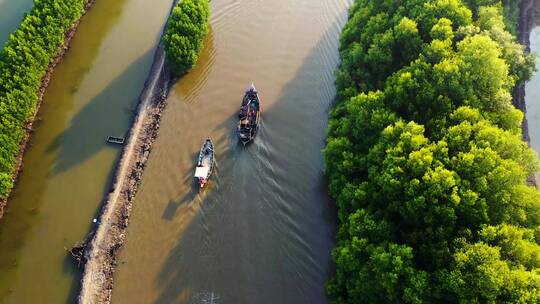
x=100, y=253
x=41, y=92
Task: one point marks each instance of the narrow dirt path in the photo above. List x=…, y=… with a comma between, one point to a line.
x=100, y=256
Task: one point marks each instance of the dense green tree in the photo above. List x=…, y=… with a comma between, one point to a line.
x=510, y=10
x=186, y=29
x=480, y=274
x=375, y=269
x=425, y=158
x=29, y=51
x=23, y=63
x=490, y=21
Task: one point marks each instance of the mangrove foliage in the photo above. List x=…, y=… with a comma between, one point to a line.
x=425, y=157
x=24, y=61
x=184, y=35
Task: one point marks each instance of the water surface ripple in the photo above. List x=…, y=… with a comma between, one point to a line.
x=263, y=230
x=67, y=167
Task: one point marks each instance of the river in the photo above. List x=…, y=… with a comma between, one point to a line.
x=263, y=229
x=11, y=14
x=532, y=88
x=67, y=168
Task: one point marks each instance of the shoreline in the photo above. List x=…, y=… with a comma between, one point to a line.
x=99, y=254
x=45, y=80
x=525, y=25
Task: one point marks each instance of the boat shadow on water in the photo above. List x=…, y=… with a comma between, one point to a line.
x=194, y=194
x=237, y=255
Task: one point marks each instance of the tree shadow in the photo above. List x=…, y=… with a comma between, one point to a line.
x=73, y=147
x=69, y=264
x=200, y=72
x=26, y=214
x=109, y=113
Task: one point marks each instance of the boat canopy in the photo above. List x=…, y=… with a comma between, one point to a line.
x=202, y=172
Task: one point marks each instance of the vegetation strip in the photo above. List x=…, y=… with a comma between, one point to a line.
x=425, y=157
x=183, y=38
x=27, y=62
x=100, y=254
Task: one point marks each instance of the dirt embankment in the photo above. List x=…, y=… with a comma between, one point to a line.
x=99, y=255
x=41, y=92
x=527, y=12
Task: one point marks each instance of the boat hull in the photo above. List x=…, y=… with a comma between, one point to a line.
x=205, y=163
x=249, y=116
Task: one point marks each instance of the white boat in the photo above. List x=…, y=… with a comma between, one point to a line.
x=205, y=163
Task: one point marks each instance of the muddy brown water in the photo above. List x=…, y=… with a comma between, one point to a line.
x=68, y=165
x=263, y=229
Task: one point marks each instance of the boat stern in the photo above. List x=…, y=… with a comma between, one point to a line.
x=245, y=140
x=202, y=182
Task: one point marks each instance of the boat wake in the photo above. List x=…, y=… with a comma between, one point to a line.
x=205, y=298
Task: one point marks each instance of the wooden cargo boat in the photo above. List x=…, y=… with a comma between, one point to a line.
x=249, y=115
x=205, y=163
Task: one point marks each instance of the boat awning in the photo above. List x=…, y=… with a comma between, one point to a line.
x=202, y=172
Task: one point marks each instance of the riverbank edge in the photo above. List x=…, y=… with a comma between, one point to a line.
x=108, y=235
x=45, y=81
x=526, y=23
